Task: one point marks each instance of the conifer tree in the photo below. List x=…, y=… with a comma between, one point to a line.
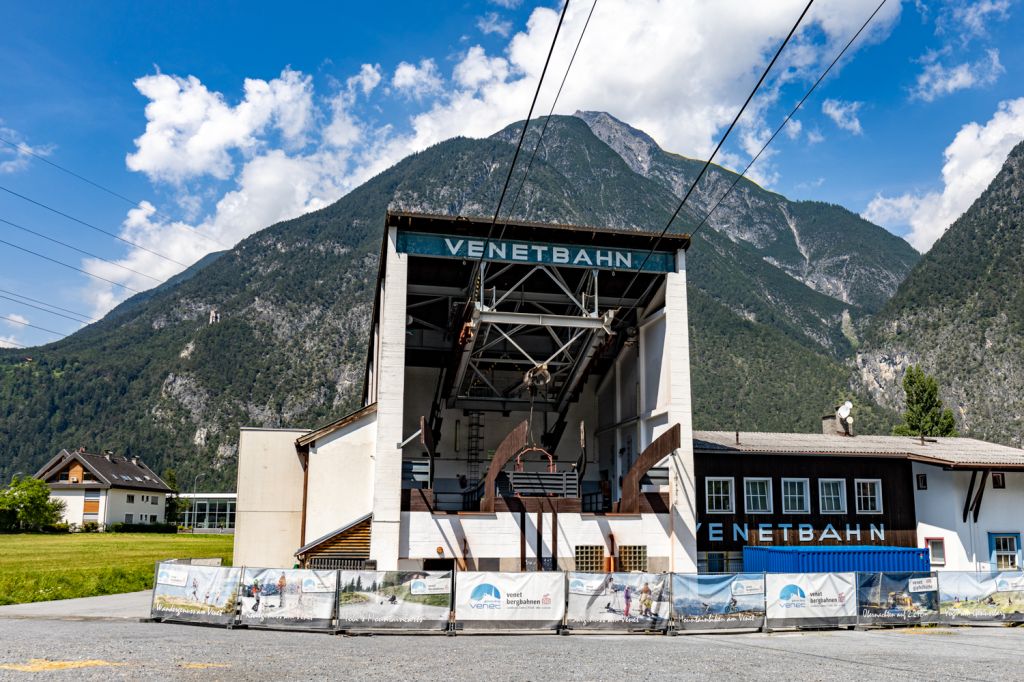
x=925, y=415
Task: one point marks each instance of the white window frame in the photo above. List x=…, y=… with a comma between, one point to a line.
x=771, y=502
x=129, y=499
x=878, y=494
x=821, y=507
x=807, y=495
x=732, y=494
x=931, y=555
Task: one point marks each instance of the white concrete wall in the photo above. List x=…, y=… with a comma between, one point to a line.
x=498, y=535
x=341, y=478
x=268, y=516
x=939, y=511
x=74, y=503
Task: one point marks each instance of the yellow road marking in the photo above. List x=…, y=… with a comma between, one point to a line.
x=40, y=665
x=204, y=666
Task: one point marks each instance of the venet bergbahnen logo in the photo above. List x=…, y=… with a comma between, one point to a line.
x=485, y=596
x=792, y=597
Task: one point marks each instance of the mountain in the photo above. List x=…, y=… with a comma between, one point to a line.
x=156, y=379
x=960, y=314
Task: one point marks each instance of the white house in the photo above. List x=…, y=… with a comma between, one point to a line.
x=104, y=489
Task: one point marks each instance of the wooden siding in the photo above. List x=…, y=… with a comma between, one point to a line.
x=897, y=517
x=354, y=543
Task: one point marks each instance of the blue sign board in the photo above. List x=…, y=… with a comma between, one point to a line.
x=512, y=251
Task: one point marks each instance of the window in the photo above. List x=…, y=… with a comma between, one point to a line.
x=998, y=480
x=936, y=550
x=796, y=498
x=590, y=558
x=716, y=562
x=869, y=495
x=922, y=481
x=131, y=499
x=1005, y=551
x=64, y=476
x=92, y=494
x=633, y=558
x=153, y=499
x=145, y=498
x=832, y=495
x=757, y=495
x=152, y=518
x=719, y=495
x=128, y=518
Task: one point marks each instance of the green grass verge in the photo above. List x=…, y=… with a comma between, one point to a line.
x=45, y=567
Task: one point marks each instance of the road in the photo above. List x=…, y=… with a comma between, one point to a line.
x=123, y=649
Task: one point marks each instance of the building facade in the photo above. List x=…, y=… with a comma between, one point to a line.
x=208, y=511
x=104, y=489
x=527, y=407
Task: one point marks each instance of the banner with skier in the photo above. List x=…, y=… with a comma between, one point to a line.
x=415, y=600
x=630, y=601
x=277, y=597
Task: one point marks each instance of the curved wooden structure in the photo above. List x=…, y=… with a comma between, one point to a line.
x=507, y=449
x=662, y=446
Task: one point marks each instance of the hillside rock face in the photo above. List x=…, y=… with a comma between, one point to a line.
x=154, y=378
x=824, y=246
x=960, y=314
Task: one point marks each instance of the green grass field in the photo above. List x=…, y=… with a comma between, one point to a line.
x=44, y=567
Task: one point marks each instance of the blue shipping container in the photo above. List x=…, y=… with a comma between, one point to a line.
x=863, y=559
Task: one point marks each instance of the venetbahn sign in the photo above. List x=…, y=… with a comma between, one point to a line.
x=512, y=251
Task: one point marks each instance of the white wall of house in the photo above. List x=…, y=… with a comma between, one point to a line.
x=268, y=516
x=497, y=536
x=74, y=503
x=341, y=467
x=117, y=506
x=940, y=508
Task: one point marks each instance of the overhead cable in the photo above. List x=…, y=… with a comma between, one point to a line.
x=72, y=267
x=34, y=326
x=51, y=305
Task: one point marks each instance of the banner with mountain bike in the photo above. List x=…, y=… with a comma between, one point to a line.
x=619, y=601
x=288, y=598
x=195, y=594
x=408, y=600
x=718, y=601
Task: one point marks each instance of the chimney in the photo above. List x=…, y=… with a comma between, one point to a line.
x=135, y=460
x=840, y=423
x=108, y=454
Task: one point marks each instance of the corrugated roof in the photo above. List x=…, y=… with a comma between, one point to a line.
x=115, y=472
x=953, y=452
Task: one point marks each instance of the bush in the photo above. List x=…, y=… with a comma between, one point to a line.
x=142, y=528
x=90, y=527
x=57, y=528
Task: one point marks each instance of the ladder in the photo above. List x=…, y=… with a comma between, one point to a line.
x=474, y=446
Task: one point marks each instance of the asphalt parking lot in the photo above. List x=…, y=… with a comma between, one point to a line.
x=92, y=649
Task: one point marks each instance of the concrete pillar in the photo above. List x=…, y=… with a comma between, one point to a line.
x=682, y=477
x=390, y=384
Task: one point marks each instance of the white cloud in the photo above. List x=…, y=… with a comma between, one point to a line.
x=493, y=23
x=417, y=81
x=814, y=137
x=14, y=319
x=793, y=129
x=13, y=160
x=658, y=64
x=10, y=342
x=937, y=79
x=970, y=18
x=507, y=4
x=972, y=160
x=843, y=114
x=191, y=131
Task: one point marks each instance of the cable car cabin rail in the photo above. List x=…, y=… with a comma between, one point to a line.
x=545, y=484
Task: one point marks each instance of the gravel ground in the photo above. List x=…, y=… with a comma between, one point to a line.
x=105, y=650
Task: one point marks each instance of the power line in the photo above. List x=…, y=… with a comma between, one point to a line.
x=92, y=227
x=84, y=272
x=522, y=135
x=547, y=120
x=24, y=149
x=75, y=248
x=34, y=326
x=35, y=300
x=11, y=345
x=788, y=117
x=52, y=312
x=707, y=163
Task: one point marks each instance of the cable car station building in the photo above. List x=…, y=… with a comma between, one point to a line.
x=527, y=406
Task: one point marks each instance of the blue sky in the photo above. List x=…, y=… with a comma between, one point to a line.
x=228, y=117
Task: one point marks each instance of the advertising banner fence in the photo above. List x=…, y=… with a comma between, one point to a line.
x=630, y=601
x=712, y=602
x=810, y=599
x=897, y=598
x=199, y=594
x=980, y=597
x=410, y=600
x=277, y=597
x=510, y=600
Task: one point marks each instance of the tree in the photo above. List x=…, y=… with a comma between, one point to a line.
x=26, y=505
x=925, y=415
x=174, y=504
